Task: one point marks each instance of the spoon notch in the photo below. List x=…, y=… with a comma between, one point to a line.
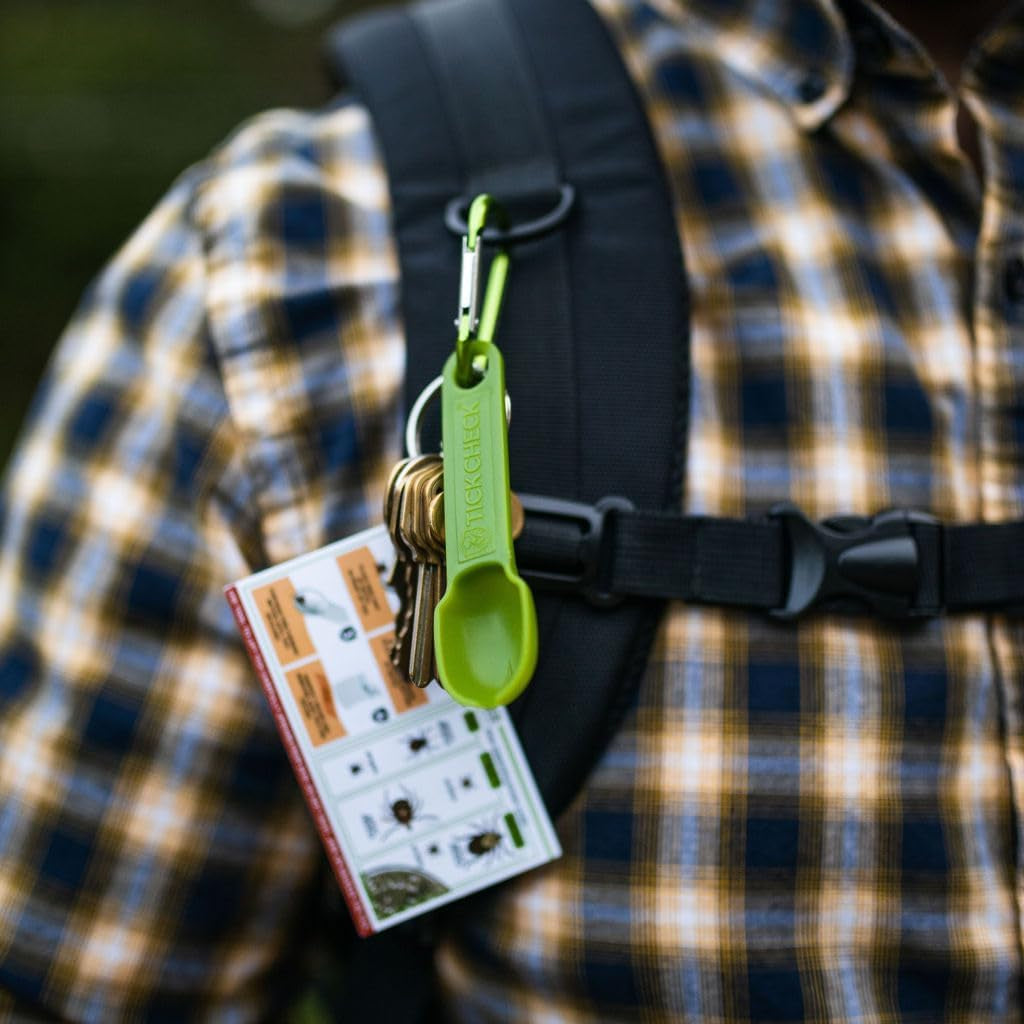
x=485, y=626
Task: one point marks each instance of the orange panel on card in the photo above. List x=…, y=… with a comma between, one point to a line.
x=283, y=620
x=404, y=695
x=362, y=577
x=312, y=692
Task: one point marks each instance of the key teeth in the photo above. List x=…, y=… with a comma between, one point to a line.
x=403, y=619
x=398, y=644
x=418, y=573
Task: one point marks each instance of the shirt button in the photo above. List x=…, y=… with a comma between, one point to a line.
x=1013, y=279
x=812, y=87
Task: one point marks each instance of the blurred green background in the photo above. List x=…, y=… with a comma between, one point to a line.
x=102, y=104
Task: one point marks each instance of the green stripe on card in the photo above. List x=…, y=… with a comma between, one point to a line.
x=492, y=772
x=513, y=830
x=471, y=723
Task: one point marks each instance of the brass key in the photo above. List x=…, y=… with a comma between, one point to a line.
x=390, y=491
x=435, y=542
x=436, y=517
x=402, y=572
x=435, y=568
x=423, y=484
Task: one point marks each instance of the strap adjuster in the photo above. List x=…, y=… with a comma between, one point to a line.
x=875, y=562
x=587, y=570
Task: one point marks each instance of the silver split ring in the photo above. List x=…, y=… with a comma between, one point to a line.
x=413, y=426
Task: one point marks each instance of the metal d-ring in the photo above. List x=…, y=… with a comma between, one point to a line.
x=456, y=212
x=413, y=426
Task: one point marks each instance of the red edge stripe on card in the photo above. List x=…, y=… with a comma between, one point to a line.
x=301, y=769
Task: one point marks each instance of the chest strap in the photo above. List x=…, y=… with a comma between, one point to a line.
x=898, y=564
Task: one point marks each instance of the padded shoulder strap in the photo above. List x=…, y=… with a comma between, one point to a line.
x=517, y=97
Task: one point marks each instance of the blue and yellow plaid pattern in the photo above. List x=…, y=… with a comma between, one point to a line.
x=810, y=823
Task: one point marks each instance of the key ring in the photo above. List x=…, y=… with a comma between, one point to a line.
x=414, y=425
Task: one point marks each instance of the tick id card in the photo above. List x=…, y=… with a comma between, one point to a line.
x=418, y=800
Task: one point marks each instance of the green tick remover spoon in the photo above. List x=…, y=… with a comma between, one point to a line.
x=485, y=626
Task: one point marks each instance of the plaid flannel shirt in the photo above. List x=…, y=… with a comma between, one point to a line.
x=815, y=822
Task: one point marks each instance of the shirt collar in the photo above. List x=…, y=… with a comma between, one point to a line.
x=802, y=52
x=797, y=49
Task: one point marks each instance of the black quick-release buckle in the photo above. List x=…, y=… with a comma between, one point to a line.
x=588, y=569
x=874, y=562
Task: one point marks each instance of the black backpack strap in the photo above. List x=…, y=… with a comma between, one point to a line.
x=522, y=97
x=528, y=99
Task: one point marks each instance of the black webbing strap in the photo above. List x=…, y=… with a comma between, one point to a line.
x=898, y=564
x=501, y=138
x=983, y=566
x=523, y=98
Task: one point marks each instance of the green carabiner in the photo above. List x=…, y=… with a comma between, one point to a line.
x=475, y=324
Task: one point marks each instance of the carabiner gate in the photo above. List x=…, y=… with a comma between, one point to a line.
x=473, y=323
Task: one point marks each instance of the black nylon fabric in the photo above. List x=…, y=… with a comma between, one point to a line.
x=984, y=566
x=714, y=561
x=594, y=330
x=502, y=140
